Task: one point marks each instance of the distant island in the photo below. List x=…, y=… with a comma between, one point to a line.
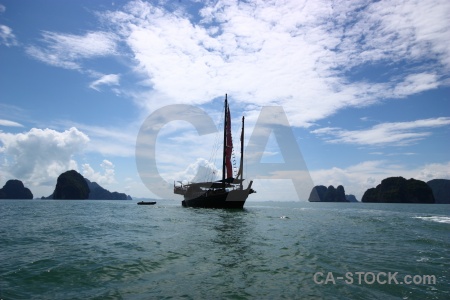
x=351, y=198
x=71, y=185
x=14, y=189
x=390, y=190
x=400, y=190
x=321, y=193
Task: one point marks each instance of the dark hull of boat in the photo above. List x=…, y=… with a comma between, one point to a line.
x=233, y=199
x=146, y=203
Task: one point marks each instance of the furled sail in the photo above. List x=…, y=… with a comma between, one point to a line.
x=229, y=144
x=239, y=174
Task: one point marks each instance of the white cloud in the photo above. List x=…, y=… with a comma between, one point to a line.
x=67, y=50
x=9, y=123
x=397, y=133
x=433, y=171
x=2, y=8
x=108, y=176
x=116, y=141
x=296, y=54
x=110, y=79
x=39, y=156
x=416, y=83
x=6, y=36
x=413, y=29
x=207, y=171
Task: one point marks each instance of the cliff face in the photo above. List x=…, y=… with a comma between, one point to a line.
x=317, y=193
x=71, y=185
x=321, y=193
x=399, y=190
x=14, y=189
x=441, y=190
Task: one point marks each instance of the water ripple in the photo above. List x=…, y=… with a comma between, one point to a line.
x=118, y=250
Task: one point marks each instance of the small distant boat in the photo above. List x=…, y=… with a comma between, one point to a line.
x=146, y=203
x=226, y=193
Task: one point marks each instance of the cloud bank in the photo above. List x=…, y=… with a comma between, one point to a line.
x=312, y=57
x=304, y=55
x=40, y=155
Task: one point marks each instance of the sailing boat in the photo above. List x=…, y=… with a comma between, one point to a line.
x=227, y=192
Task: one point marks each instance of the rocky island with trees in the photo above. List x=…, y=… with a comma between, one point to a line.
x=321, y=193
x=390, y=190
x=70, y=185
x=14, y=189
x=400, y=190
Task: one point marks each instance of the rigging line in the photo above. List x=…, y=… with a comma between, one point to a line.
x=213, y=157
x=233, y=155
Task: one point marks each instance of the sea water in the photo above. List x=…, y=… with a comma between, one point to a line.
x=270, y=250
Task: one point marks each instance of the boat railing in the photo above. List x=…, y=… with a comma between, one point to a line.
x=182, y=189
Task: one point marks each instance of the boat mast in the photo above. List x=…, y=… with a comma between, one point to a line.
x=242, y=153
x=225, y=121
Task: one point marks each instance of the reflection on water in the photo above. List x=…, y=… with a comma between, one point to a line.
x=232, y=242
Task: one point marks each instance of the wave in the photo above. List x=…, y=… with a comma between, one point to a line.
x=439, y=219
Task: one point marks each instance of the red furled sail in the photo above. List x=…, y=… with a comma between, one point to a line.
x=239, y=174
x=229, y=145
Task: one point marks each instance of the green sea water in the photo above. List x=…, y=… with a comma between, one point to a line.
x=270, y=250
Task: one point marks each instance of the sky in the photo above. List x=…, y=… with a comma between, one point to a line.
x=364, y=87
